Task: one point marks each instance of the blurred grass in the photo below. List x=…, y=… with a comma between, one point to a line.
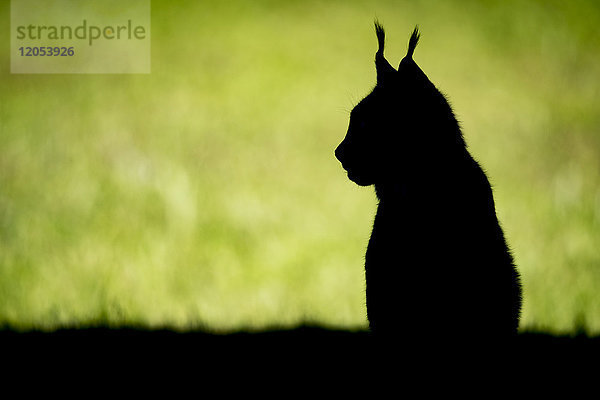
x=206, y=194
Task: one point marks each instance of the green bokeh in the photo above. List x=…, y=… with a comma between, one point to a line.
x=205, y=195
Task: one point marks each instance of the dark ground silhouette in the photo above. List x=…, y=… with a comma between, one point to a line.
x=437, y=264
x=137, y=343
x=286, y=360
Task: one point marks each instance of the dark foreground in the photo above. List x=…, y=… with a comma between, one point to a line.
x=342, y=360
x=275, y=341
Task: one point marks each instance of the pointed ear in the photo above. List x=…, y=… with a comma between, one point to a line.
x=408, y=71
x=385, y=71
x=412, y=44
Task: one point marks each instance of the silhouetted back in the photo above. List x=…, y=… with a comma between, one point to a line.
x=437, y=262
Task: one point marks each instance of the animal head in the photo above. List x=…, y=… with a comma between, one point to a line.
x=403, y=116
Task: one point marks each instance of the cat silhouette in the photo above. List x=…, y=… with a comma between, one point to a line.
x=437, y=262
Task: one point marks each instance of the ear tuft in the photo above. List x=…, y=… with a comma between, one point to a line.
x=412, y=43
x=380, y=36
x=385, y=72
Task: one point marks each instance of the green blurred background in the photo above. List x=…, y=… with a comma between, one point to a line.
x=205, y=195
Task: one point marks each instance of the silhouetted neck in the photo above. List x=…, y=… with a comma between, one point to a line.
x=425, y=176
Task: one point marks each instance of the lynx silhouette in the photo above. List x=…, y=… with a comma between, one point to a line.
x=437, y=262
